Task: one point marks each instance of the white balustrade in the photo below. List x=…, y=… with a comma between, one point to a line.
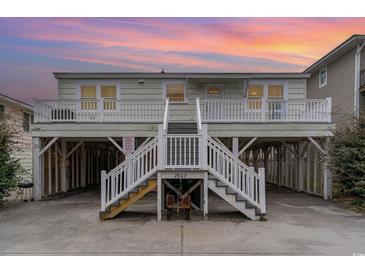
x=102, y=110
x=182, y=151
x=186, y=152
x=136, y=169
x=314, y=110
x=231, y=171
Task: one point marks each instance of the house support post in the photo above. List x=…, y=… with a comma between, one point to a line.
x=205, y=194
x=300, y=167
x=201, y=205
x=159, y=198
x=280, y=164
x=37, y=169
x=83, y=165
x=64, y=187
x=327, y=176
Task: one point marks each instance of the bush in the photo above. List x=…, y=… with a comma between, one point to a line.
x=11, y=171
x=348, y=158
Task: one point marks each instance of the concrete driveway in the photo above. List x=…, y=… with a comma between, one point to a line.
x=298, y=224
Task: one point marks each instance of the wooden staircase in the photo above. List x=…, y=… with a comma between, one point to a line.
x=128, y=200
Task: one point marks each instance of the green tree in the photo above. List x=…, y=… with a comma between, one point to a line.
x=348, y=158
x=10, y=169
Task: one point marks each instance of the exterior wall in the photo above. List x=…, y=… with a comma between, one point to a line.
x=23, y=138
x=340, y=86
x=152, y=89
x=362, y=93
x=362, y=59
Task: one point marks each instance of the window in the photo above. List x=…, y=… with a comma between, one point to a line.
x=109, y=93
x=26, y=121
x=255, y=92
x=214, y=90
x=275, y=92
x=2, y=108
x=88, y=97
x=175, y=92
x=323, y=77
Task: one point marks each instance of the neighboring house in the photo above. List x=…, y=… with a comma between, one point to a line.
x=22, y=116
x=340, y=74
x=231, y=133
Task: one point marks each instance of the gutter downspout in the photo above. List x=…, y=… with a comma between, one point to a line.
x=357, y=79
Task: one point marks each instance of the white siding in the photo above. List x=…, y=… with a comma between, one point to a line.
x=152, y=89
x=340, y=86
x=67, y=89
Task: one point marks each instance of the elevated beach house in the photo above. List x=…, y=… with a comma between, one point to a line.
x=21, y=116
x=231, y=134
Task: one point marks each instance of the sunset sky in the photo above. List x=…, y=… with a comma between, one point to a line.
x=32, y=48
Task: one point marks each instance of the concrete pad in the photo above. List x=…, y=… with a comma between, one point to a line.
x=297, y=224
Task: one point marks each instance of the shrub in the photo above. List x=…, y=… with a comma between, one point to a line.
x=10, y=169
x=348, y=158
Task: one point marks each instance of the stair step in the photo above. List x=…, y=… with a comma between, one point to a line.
x=182, y=128
x=133, y=196
x=232, y=200
x=230, y=191
x=220, y=184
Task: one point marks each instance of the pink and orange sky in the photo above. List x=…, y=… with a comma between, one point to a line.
x=32, y=48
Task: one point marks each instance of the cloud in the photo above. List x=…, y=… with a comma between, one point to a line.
x=176, y=44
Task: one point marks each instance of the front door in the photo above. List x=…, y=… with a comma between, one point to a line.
x=214, y=91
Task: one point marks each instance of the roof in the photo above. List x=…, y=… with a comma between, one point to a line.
x=138, y=75
x=337, y=52
x=16, y=102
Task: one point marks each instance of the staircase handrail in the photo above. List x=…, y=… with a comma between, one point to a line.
x=255, y=194
x=198, y=114
x=166, y=115
x=128, y=164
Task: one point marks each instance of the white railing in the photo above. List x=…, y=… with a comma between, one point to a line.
x=136, y=169
x=171, y=152
x=198, y=114
x=235, y=174
x=166, y=115
x=101, y=110
x=182, y=151
x=314, y=110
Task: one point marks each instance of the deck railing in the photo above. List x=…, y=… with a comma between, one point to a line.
x=101, y=110
x=182, y=151
x=313, y=110
x=110, y=110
